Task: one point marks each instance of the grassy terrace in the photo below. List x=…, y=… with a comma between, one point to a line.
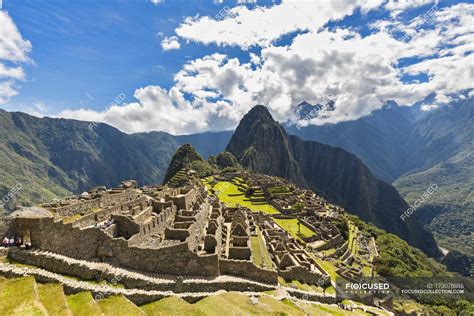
x=291, y=226
x=24, y=296
x=230, y=194
x=260, y=252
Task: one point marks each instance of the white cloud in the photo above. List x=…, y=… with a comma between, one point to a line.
x=261, y=26
x=13, y=53
x=156, y=1
x=360, y=73
x=398, y=6
x=169, y=43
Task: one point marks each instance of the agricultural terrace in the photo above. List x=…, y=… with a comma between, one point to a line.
x=233, y=194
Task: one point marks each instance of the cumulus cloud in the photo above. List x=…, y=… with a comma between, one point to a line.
x=261, y=26
x=359, y=72
x=13, y=54
x=169, y=43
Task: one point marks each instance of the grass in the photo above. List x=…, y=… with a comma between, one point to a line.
x=329, y=268
x=171, y=306
x=53, y=299
x=229, y=193
x=353, y=231
x=119, y=306
x=83, y=304
x=260, y=253
x=72, y=218
x=291, y=226
x=301, y=286
x=22, y=296
x=233, y=303
x=320, y=309
x=19, y=297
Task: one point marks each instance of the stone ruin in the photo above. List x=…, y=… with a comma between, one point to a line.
x=154, y=229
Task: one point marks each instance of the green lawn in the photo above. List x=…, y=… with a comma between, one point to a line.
x=19, y=297
x=171, y=306
x=83, y=304
x=291, y=226
x=259, y=252
x=233, y=303
x=53, y=299
x=229, y=193
x=119, y=306
x=353, y=231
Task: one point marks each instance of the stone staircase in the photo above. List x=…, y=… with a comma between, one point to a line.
x=137, y=286
x=131, y=279
x=20, y=294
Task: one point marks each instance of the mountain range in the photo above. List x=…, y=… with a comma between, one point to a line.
x=403, y=145
x=413, y=150
x=261, y=144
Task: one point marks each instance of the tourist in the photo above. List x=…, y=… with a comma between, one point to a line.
x=27, y=245
x=12, y=241
x=18, y=242
x=5, y=242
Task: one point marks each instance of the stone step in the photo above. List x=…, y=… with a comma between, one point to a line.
x=130, y=279
x=137, y=296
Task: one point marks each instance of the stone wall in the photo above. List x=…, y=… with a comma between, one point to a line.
x=334, y=242
x=184, y=200
x=303, y=275
x=81, y=207
x=92, y=243
x=247, y=269
x=6, y=227
x=105, y=200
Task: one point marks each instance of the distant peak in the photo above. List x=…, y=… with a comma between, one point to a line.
x=259, y=109
x=258, y=112
x=390, y=104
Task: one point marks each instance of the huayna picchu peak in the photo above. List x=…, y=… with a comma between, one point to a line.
x=262, y=145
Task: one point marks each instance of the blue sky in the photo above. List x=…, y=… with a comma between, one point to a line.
x=85, y=53
x=77, y=57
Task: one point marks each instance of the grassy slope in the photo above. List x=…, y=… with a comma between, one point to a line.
x=447, y=151
x=448, y=210
x=19, y=297
x=53, y=299
x=22, y=296
x=396, y=257
x=171, y=306
x=291, y=226
x=259, y=251
x=83, y=304
x=54, y=157
x=229, y=193
x=238, y=304
x=119, y=306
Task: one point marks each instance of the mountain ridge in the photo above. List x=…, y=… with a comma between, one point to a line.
x=262, y=145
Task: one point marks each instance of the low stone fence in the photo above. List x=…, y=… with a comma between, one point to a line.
x=303, y=275
x=81, y=207
x=334, y=242
x=246, y=269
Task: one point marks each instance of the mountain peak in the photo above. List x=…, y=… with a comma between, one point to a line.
x=258, y=113
x=259, y=140
x=183, y=158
